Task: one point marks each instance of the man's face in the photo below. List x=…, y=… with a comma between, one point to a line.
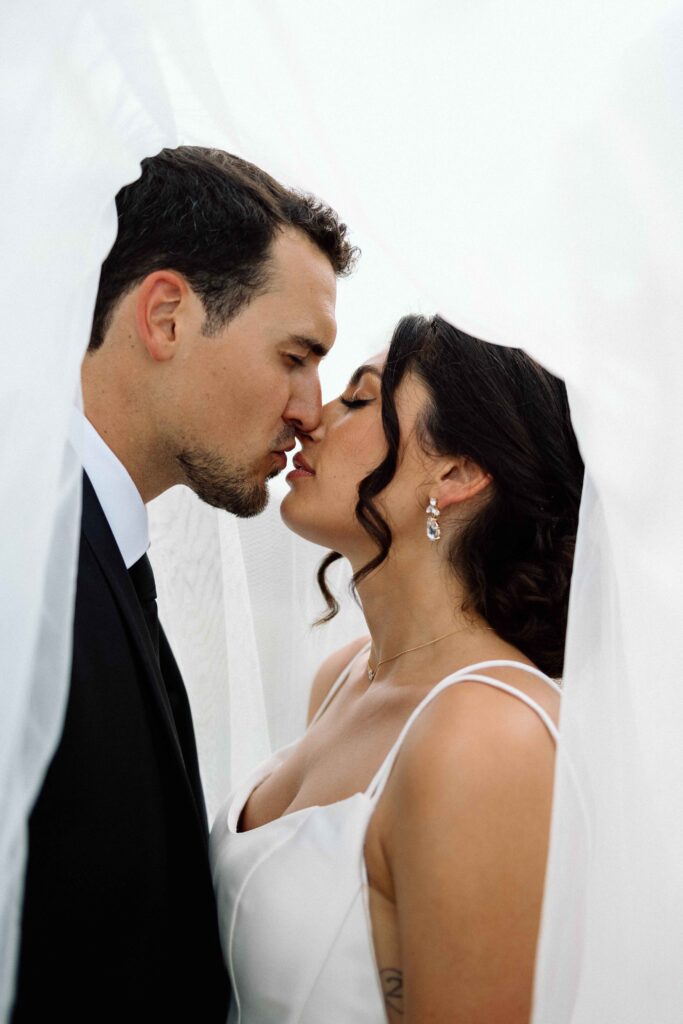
x=244, y=391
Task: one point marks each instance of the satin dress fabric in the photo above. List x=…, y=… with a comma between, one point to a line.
x=292, y=894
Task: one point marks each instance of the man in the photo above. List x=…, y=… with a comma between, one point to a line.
x=215, y=306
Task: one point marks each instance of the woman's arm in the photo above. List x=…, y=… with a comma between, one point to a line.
x=467, y=815
x=329, y=671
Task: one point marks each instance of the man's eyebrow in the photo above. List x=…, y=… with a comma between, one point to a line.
x=361, y=371
x=313, y=346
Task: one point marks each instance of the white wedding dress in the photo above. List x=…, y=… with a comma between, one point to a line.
x=292, y=894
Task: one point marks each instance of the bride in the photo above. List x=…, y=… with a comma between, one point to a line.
x=390, y=863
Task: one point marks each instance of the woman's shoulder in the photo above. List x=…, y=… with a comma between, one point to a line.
x=472, y=714
x=473, y=738
x=460, y=840
x=330, y=670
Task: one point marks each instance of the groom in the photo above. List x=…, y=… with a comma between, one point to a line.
x=215, y=306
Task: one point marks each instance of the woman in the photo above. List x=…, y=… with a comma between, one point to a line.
x=389, y=865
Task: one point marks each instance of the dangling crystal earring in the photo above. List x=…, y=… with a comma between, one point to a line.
x=433, y=531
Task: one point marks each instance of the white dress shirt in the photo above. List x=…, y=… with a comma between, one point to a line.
x=120, y=499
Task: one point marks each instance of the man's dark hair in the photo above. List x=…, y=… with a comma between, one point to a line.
x=212, y=217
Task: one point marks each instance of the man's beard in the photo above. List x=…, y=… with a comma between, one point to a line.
x=223, y=485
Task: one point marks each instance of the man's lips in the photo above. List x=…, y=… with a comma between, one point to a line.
x=281, y=454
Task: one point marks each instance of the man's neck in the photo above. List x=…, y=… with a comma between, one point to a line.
x=124, y=426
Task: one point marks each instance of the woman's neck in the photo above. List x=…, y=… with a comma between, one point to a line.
x=412, y=599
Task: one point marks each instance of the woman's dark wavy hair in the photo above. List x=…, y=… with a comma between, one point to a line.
x=497, y=407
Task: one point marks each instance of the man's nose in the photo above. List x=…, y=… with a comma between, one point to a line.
x=317, y=434
x=304, y=410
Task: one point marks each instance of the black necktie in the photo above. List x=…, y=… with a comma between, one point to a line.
x=143, y=580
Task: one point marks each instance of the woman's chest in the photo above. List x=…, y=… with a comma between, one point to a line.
x=327, y=842
x=317, y=876
x=337, y=757
x=294, y=915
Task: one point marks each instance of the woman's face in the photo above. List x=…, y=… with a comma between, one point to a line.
x=347, y=445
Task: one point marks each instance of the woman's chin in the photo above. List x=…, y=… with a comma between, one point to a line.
x=293, y=515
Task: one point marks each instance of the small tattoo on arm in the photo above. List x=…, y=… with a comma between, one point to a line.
x=392, y=987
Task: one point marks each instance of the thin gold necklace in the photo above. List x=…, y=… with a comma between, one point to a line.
x=372, y=672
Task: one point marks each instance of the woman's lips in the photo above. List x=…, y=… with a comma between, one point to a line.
x=301, y=468
x=300, y=462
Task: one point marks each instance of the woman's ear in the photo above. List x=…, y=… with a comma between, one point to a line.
x=460, y=481
x=159, y=298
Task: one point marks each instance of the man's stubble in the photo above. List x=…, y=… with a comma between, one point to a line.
x=222, y=484
x=227, y=485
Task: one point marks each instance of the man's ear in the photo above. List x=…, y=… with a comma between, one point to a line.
x=159, y=298
x=461, y=480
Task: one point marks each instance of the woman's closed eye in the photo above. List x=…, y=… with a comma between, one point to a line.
x=355, y=403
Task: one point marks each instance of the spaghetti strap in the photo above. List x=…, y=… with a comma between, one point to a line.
x=338, y=683
x=505, y=663
x=468, y=674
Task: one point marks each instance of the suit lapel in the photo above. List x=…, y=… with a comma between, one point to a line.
x=98, y=534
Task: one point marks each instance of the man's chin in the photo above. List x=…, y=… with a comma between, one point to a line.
x=252, y=504
x=230, y=491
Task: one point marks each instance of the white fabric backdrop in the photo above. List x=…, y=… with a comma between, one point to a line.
x=73, y=130
x=517, y=167
x=238, y=601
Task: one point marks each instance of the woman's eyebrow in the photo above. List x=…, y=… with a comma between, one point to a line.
x=361, y=371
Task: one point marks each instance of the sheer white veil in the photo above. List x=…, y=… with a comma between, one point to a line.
x=516, y=167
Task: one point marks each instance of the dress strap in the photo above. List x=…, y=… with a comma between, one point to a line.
x=338, y=683
x=468, y=674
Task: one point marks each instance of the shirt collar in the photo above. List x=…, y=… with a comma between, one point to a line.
x=120, y=499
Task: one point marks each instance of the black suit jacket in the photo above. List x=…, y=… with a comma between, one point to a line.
x=119, y=920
